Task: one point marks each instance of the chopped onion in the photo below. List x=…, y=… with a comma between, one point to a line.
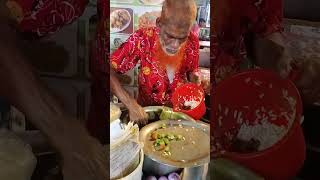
x=174, y=176
x=163, y=178
x=151, y=178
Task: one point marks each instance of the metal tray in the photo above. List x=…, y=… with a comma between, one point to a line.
x=144, y=136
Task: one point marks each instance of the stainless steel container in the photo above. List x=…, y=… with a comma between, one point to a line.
x=152, y=166
x=196, y=173
x=156, y=167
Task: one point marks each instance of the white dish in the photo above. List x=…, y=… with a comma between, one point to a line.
x=115, y=30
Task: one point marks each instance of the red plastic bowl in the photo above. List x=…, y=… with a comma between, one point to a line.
x=285, y=158
x=188, y=92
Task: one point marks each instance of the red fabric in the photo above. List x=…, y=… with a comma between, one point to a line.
x=98, y=114
x=235, y=18
x=43, y=17
x=195, y=29
x=99, y=67
x=154, y=85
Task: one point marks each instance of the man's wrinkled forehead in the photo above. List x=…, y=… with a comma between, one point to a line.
x=179, y=13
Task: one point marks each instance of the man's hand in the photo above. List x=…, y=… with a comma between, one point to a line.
x=137, y=113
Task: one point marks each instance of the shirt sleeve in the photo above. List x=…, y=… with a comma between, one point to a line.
x=193, y=53
x=265, y=16
x=127, y=55
x=39, y=18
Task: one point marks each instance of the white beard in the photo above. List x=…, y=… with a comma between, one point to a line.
x=170, y=73
x=165, y=49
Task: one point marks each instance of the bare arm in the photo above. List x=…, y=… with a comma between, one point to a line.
x=136, y=112
x=126, y=54
x=83, y=156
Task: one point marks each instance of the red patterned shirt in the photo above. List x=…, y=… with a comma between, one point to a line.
x=154, y=85
x=233, y=20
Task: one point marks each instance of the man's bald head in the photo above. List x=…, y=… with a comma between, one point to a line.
x=177, y=18
x=179, y=13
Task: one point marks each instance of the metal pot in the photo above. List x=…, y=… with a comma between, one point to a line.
x=156, y=167
x=152, y=166
x=196, y=173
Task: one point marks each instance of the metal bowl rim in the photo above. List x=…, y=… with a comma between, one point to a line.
x=200, y=162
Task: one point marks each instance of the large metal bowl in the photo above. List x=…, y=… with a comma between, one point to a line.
x=151, y=110
x=153, y=165
x=154, y=113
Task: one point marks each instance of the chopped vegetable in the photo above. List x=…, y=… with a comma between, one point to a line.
x=163, y=178
x=163, y=126
x=151, y=178
x=165, y=115
x=171, y=137
x=160, y=136
x=165, y=153
x=162, y=141
x=167, y=149
x=154, y=136
x=179, y=137
x=160, y=147
x=158, y=141
x=174, y=176
x=166, y=141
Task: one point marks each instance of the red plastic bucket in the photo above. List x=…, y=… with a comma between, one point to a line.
x=189, y=92
x=247, y=92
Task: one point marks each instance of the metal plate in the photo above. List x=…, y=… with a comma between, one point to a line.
x=145, y=133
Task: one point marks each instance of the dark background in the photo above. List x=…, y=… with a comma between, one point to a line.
x=302, y=9
x=308, y=10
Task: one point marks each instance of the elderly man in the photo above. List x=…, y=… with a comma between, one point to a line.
x=168, y=54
